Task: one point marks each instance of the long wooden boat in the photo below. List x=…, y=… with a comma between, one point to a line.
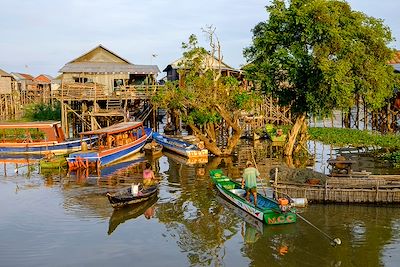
x=267, y=210
x=125, y=196
x=115, y=142
x=36, y=138
x=181, y=147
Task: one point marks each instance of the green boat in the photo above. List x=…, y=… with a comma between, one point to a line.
x=267, y=210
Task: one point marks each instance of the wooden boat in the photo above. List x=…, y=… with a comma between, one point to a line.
x=267, y=210
x=130, y=212
x=115, y=143
x=181, y=147
x=36, y=138
x=125, y=196
x=153, y=149
x=275, y=135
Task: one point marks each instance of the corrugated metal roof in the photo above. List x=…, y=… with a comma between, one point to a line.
x=21, y=76
x=42, y=79
x=116, y=128
x=99, y=47
x=103, y=67
x=210, y=60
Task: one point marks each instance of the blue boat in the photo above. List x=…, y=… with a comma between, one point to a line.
x=37, y=138
x=180, y=147
x=114, y=143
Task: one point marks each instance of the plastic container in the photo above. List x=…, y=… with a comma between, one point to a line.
x=134, y=189
x=299, y=202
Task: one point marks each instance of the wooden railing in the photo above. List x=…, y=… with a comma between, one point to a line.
x=92, y=91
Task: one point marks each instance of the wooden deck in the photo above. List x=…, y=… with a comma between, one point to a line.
x=92, y=91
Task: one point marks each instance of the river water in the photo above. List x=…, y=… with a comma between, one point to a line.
x=58, y=220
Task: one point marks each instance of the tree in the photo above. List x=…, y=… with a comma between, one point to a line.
x=319, y=55
x=207, y=101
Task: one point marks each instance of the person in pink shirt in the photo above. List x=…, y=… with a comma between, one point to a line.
x=148, y=175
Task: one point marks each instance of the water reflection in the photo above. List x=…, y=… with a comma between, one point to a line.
x=130, y=212
x=189, y=224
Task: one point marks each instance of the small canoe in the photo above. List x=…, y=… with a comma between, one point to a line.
x=153, y=150
x=125, y=196
x=267, y=210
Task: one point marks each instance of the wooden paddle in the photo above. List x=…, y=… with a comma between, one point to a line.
x=255, y=165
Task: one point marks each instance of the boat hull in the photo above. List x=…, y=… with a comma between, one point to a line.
x=180, y=147
x=106, y=157
x=43, y=147
x=125, y=197
x=268, y=210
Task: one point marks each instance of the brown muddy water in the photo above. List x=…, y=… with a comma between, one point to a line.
x=53, y=220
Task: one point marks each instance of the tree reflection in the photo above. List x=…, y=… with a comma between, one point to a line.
x=199, y=222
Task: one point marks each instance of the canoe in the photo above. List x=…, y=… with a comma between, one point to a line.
x=125, y=197
x=181, y=147
x=153, y=150
x=267, y=210
x=115, y=143
x=36, y=138
x=130, y=212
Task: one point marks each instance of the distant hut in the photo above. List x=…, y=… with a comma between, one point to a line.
x=104, y=67
x=7, y=82
x=226, y=70
x=9, y=97
x=43, y=87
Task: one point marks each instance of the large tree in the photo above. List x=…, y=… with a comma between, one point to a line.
x=209, y=102
x=320, y=55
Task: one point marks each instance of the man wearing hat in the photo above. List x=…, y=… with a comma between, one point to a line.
x=250, y=175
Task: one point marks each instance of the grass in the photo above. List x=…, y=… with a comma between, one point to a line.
x=353, y=137
x=358, y=138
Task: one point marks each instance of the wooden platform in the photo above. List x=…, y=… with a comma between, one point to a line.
x=374, y=189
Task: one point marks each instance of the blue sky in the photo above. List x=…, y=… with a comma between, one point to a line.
x=41, y=36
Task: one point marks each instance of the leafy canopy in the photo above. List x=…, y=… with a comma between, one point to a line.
x=318, y=55
x=202, y=88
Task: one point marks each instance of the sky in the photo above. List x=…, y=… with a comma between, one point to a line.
x=39, y=37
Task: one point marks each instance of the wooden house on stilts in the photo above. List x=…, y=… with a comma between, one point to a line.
x=100, y=88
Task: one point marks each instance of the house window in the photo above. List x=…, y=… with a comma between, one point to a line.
x=82, y=80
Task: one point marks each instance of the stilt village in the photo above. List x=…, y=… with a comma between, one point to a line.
x=100, y=89
x=127, y=137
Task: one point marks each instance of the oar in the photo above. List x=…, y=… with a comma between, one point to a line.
x=334, y=241
x=255, y=165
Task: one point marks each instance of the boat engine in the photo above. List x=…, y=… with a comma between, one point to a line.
x=283, y=204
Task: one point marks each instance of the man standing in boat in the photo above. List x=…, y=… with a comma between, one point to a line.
x=249, y=180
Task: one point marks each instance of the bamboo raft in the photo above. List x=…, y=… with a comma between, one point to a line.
x=374, y=189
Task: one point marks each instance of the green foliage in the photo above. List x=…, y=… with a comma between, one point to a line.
x=42, y=112
x=353, y=137
x=203, y=89
x=319, y=55
x=394, y=158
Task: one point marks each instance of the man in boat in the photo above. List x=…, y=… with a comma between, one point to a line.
x=249, y=180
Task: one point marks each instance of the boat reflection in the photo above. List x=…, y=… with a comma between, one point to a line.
x=249, y=219
x=131, y=212
x=184, y=160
